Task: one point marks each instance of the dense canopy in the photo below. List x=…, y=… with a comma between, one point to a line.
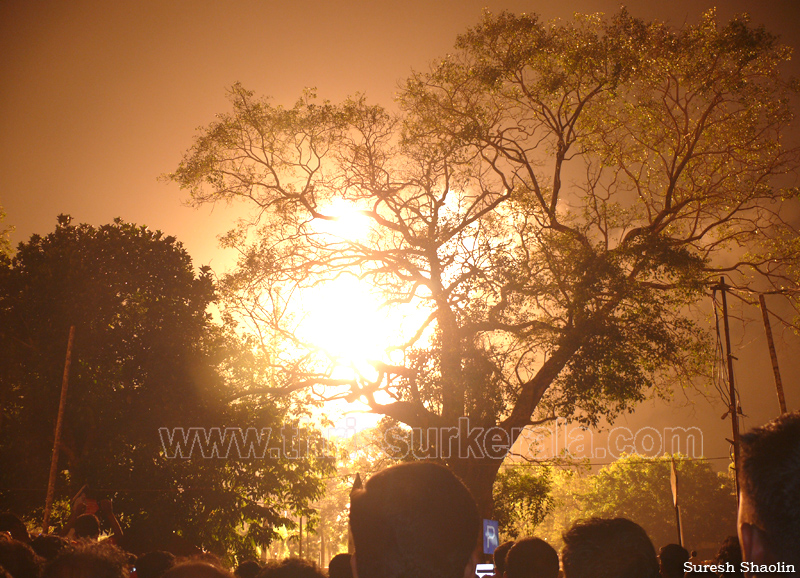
x=552, y=197
x=146, y=356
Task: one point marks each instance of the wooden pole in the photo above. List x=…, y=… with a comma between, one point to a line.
x=51, y=482
x=773, y=356
x=733, y=409
x=674, y=485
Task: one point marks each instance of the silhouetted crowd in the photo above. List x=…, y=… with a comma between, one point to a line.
x=418, y=520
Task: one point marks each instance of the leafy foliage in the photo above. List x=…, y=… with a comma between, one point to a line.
x=521, y=501
x=638, y=488
x=5, y=234
x=145, y=356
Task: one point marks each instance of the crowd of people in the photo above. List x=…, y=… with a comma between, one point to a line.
x=418, y=520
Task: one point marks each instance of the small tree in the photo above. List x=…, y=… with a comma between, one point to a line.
x=552, y=198
x=521, y=500
x=638, y=488
x=146, y=356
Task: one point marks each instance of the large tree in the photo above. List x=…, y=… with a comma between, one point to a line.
x=145, y=356
x=551, y=197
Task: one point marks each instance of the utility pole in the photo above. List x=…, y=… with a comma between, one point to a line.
x=62, y=404
x=772, y=355
x=673, y=479
x=733, y=408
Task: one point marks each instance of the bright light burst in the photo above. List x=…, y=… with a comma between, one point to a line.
x=344, y=316
x=349, y=224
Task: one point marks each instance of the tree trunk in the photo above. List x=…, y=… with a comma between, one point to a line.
x=478, y=474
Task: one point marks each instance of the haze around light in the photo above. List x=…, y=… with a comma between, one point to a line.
x=346, y=316
x=98, y=99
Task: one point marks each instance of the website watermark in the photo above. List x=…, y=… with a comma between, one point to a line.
x=239, y=443
x=563, y=438
x=463, y=441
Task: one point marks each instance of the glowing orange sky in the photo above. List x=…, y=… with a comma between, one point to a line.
x=97, y=98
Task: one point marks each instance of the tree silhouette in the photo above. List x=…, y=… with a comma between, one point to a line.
x=146, y=356
x=551, y=198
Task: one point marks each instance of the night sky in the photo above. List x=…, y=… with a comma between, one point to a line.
x=98, y=98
